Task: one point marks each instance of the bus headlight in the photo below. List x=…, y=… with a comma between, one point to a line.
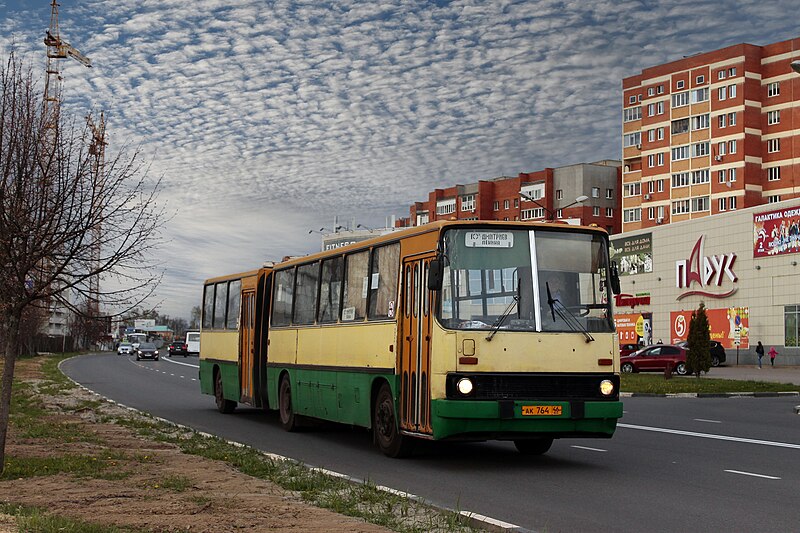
x=606, y=387
x=464, y=386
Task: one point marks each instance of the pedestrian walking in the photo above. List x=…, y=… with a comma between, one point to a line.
x=760, y=352
x=772, y=354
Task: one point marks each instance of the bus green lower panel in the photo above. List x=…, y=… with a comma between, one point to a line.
x=230, y=378
x=483, y=418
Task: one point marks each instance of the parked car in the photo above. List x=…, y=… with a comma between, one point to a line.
x=655, y=358
x=717, y=352
x=125, y=348
x=147, y=350
x=177, y=348
x=627, y=349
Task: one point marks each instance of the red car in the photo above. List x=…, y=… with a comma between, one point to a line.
x=655, y=359
x=627, y=349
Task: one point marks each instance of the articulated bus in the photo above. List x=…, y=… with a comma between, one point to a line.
x=457, y=330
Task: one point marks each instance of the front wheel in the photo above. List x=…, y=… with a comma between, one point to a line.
x=681, y=369
x=285, y=409
x=223, y=406
x=714, y=360
x=627, y=368
x=385, y=428
x=533, y=446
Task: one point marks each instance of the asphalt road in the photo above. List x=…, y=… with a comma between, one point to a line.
x=674, y=464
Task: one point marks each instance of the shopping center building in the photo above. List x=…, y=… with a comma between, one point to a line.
x=743, y=265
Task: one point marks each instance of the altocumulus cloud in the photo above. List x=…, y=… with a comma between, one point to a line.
x=266, y=119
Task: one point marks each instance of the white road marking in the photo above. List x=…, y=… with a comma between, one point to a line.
x=712, y=436
x=170, y=360
x=751, y=474
x=587, y=448
x=709, y=421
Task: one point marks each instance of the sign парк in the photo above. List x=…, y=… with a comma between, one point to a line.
x=705, y=271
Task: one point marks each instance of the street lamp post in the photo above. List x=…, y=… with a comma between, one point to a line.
x=550, y=214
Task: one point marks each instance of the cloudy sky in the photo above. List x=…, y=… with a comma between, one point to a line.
x=270, y=118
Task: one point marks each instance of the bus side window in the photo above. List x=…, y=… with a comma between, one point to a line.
x=356, y=285
x=208, y=306
x=234, y=303
x=283, y=298
x=383, y=281
x=330, y=290
x=305, y=294
x=220, y=304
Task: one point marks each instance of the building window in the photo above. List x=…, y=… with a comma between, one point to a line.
x=774, y=173
x=632, y=113
x=506, y=204
x=651, y=213
x=516, y=203
x=680, y=99
x=595, y=211
x=774, y=88
x=632, y=215
x=700, y=122
x=680, y=126
x=632, y=99
x=731, y=119
x=773, y=145
x=446, y=207
x=774, y=117
x=721, y=74
x=651, y=187
x=700, y=95
x=559, y=194
x=422, y=219
x=660, y=89
x=722, y=93
x=528, y=214
x=700, y=176
x=731, y=91
x=660, y=186
x=701, y=203
x=632, y=189
x=609, y=212
x=732, y=203
x=651, y=135
x=721, y=204
x=632, y=139
x=651, y=110
x=721, y=176
x=732, y=72
x=495, y=206
x=680, y=152
x=680, y=207
x=651, y=161
x=774, y=199
x=660, y=134
x=731, y=147
x=595, y=192
x=660, y=108
x=651, y=91
x=791, y=325
x=609, y=194
x=660, y=158
x=560, y=213
x=732, y=174
x=700, y=79
x=680, y=84
x=721, y=148
x=680, y=180
x=700, y=149
x=468, y=202
x=721, y=121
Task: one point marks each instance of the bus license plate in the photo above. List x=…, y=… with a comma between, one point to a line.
x=541, y=410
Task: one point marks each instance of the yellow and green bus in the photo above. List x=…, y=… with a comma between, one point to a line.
x=456, y=330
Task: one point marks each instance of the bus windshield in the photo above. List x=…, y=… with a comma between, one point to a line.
x=552, y=280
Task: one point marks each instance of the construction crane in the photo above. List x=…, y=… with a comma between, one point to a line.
x=97, y=149
x=57, y=49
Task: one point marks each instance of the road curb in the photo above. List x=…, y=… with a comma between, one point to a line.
x=708, y=394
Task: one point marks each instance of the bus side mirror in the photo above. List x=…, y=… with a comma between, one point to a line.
x=435, y=270
x=615, y=287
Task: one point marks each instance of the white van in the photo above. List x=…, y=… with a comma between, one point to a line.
x=193, y=342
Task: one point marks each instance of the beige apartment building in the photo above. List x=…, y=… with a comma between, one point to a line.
x=711, y=133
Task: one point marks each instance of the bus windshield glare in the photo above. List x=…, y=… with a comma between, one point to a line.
x=525, y=280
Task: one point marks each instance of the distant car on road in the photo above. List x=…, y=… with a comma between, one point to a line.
x=655, y=358
x=147, y=350
x=125, y=348
x=717, y=352
x=177, y=348
x=193, y=342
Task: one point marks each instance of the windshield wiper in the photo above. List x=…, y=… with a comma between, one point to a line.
x=502, y=318
x=565, y=314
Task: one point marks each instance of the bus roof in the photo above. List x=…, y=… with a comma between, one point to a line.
x=239, y=275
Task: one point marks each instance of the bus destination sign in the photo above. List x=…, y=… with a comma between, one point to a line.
x=489, y=239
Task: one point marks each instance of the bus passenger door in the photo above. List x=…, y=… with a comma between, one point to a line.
x=416, y=346
x=247, y=346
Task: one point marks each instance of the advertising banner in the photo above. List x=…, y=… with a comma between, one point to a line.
x=144, y=323
x=727, y=326
x=634, y=255
x=634, y=327
x=776, y=232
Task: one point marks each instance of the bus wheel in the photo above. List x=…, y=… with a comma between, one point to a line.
x=385, y=428
x=288, y=418
x=533, y=446
x=223, y=406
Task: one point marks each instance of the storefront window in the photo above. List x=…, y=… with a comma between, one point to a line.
x=791, y=318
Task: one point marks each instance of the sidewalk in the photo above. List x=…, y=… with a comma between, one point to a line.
x=778, y=374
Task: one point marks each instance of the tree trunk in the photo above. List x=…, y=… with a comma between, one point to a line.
x=11, y=335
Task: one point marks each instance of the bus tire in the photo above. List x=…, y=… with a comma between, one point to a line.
x=533, y=446
x=285, y=409
x=224, y=406
x=385, y=428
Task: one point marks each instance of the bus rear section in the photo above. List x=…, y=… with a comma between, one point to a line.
x=193, y=342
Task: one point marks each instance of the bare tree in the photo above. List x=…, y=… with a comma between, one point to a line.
x=53, y=200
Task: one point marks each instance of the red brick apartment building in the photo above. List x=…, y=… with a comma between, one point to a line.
x=711, y=133
x=553, y=189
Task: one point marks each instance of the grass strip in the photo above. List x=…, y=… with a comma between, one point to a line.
x=656, y=384
x=36, y=520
